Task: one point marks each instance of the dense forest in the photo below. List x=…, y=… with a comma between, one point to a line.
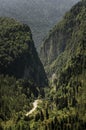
x=18, y=56
x=22, y=76
x=46, y=94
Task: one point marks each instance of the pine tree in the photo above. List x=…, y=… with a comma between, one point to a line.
x=41, y=116
x=47, y=114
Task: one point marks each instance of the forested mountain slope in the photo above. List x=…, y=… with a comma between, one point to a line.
x=18, y=56
x=40, y=15
x=61, y=105
x=65, y=44
x=22, y=76
x=64, y=56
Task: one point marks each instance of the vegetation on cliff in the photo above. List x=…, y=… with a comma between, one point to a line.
x=22, y=75
x=18, y=56
x=62, y=105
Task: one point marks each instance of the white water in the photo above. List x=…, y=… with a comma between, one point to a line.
x=35, y=104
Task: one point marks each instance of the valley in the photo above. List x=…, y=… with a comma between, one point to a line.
x=45, y=91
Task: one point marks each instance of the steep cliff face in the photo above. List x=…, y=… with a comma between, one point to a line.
x=64, y=56
x=66, y=41
x=18, y=56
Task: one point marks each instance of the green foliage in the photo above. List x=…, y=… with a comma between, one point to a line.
x=18, y=56
x=64, y=55
x=64, y=106
x=66, y=41
x=15, y=97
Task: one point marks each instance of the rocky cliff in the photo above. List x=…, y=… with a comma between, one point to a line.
x=65, y=44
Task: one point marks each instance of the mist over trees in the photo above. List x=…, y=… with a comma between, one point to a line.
x=40, y=15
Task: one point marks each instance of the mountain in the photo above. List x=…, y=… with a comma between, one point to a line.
x=41, y=15
x=62, y=105
x=64, y=46
x=18, y=56
x=22, y=76
x=63, y=54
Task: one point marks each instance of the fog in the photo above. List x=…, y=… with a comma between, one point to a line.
x=40, y=15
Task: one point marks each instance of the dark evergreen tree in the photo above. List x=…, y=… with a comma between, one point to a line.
x=41, y=116
x=47, y=114
x=37, y=117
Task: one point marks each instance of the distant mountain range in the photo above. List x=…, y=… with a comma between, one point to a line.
x=40, y=15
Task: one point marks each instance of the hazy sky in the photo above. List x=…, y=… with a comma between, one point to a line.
x=40, y=15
